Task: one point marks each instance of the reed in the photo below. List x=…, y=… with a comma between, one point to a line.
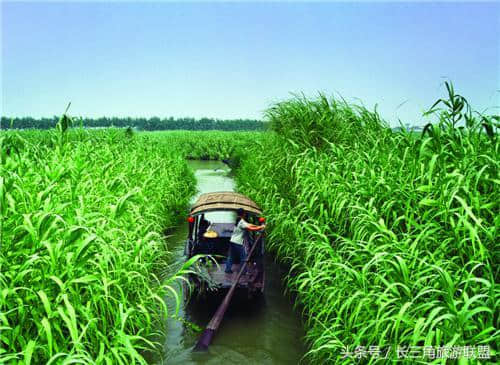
x=83, y=242
x=390, y=238
x=205, y=145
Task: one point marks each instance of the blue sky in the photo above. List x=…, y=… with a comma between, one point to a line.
x=233, y=59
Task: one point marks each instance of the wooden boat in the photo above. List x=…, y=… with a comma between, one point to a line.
x=211, y=223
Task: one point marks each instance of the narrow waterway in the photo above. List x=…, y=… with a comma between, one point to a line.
x=267, y=331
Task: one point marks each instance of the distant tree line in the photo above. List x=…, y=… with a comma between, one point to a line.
x=148, y=124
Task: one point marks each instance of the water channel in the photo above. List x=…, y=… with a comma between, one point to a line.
x=267, y=331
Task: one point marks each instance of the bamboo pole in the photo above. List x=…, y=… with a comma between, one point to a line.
x=213, y=325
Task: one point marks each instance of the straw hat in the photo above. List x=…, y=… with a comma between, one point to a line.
x=210, y=234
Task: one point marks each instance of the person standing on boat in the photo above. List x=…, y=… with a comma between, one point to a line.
x=236, y=248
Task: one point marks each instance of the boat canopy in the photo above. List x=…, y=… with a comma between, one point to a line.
x=224, y=200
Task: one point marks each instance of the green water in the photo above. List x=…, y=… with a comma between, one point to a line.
x=263, y=332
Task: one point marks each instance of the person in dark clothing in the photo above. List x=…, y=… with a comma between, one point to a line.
x=204, y=224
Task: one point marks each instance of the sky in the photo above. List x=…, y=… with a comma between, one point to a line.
x=235, y=59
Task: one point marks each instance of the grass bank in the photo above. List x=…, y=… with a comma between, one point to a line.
x=391, y=239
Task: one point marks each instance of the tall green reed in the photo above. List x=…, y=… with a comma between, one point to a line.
x=82, y=241
x=391, y=239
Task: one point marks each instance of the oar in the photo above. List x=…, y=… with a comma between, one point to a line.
x=213, y=325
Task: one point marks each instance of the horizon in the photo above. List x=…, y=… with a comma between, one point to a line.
x=233, y=60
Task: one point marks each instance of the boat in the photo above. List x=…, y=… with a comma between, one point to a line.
x=211, y=223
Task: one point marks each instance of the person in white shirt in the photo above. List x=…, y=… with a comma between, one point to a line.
x=236, y=248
